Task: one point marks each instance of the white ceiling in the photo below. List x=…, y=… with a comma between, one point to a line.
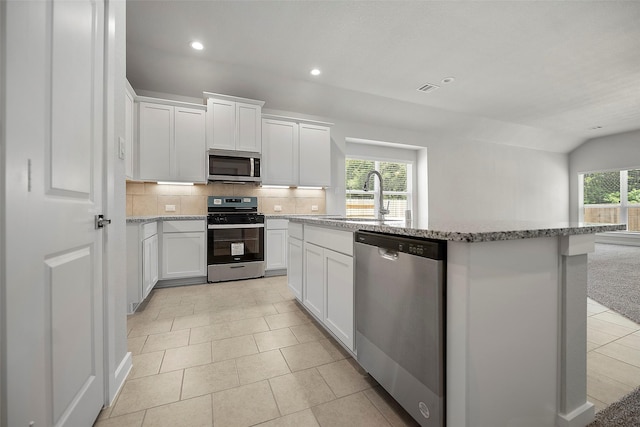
x=535, y=74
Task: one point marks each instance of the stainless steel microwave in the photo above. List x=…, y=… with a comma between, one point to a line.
x=234, y=166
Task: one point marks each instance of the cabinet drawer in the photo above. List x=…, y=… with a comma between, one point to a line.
x=295, y=230
x=149, y=229
x=277, y=224
x=337, y=240
x=182, y=226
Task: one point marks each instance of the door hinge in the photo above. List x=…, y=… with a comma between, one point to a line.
x=101, y=222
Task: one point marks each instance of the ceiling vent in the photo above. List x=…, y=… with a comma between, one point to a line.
x=428, y=88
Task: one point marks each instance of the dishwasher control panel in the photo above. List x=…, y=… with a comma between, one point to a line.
x=427, y=248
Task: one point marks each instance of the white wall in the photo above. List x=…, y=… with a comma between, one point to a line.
x=613, y=152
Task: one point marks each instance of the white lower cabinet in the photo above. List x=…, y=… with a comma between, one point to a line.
x=321, y=275
x=184, y=249
x=142, y=262
x=276, y=245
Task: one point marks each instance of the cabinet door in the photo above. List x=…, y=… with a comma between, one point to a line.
x=149, y=264
x=313, y=285
x=190, y=145
x=221, y=124
x=279, y=152
x=128, y=134
x=183, y=255
x=339, y=298
x=315, y=155
x=276, y=249
x=156, y=141
x=294, y=270
x=248, y=133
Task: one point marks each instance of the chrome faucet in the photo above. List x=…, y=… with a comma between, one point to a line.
x=382, y=211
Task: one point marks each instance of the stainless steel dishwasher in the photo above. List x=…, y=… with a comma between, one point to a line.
x=400, y=293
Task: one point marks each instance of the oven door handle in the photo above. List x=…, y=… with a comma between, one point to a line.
x=227, y=226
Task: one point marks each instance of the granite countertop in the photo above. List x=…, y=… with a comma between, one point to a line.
x=464, y=232
x=142, y=219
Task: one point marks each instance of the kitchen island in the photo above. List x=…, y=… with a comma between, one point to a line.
x=516, y=318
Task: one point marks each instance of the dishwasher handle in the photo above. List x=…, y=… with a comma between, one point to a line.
x=389, y=254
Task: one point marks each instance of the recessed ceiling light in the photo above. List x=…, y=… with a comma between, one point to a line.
x=197, y=45
x=315, y=72
x=448, y=80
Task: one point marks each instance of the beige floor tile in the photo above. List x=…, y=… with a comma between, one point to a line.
x=209, y=333
x=186, y=357
x=287, y=306
x=389, y=408
x=275, y=339
x=226, y=315
x=592, y=346
x=164, y=341
x=105, y=412
x=244, y=406
x=307, y=355
x=247, y=326
x=599, y=364
x=632, y=341
x=299, y=419
x=193, y=321
x=612, y=317
x=284, y=320
x=343, y=378
x=605, y=389
x=268, y=297
x=129, y=420
x=308, y=332
x=300, y=390
x=598, y=404
x=233, y=347
x=197, y=412
x=353, y=411
x=146, y=364
x=147, y=392
x=598, y=337
x=154, y=327
x=175, y=311
x=261, y=366
x=259, y=310
x=134, y=345
x=621, y=352
x=336, y=351
x=608, y=327
x=209, y=378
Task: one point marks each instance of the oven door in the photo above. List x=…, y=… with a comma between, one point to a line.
x=234, y=243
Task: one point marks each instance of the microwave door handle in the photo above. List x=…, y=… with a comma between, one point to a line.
x=252, y=161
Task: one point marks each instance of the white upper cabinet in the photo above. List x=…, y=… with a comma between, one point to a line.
x=171, y=141
x=233, y=123
x=295, y=152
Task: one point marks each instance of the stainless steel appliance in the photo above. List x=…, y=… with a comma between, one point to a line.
x=234, y=166
x=400, y=294
x=235, y=238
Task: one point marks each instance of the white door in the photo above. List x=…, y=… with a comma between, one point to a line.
x=294, y=269
x=190, y=145
x=276, y=252
x=156, y=141
x=54, y=140
x=314, y=279
x=248, y=125
x=315, y=155
x=221, y=124
x=280, y=152
x=339, y=303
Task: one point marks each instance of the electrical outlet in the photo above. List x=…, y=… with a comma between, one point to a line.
x=170, y=208
x=314, y=208
x=277, y=208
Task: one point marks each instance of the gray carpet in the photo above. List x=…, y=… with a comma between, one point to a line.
x=614, y=281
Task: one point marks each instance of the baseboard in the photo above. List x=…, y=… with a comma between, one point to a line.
x=272, y=273
x=579, y=417
x=627, y=239
x=169, y=283
x=122, y=371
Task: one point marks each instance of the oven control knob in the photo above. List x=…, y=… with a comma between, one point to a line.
x=224, y=219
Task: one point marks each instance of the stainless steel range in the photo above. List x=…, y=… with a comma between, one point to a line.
x=235, y=238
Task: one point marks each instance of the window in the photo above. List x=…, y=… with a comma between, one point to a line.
x=612, y=197
x=397, y=188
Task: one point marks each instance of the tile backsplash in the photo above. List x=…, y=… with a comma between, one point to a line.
x=148, y=198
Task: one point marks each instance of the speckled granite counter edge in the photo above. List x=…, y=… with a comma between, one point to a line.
x=400, y=228
x=143, y=219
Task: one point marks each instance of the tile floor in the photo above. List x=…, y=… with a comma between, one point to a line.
x=613, y=355
x=241, y=354
x=245, y=353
